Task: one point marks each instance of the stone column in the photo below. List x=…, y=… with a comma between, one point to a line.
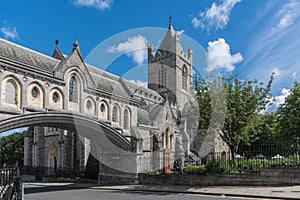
x=28, y=147
x=81, y=153
x=38, y=148
x=61, y=149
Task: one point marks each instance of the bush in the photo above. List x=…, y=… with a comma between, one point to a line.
x=200, y=170
x=156, y=172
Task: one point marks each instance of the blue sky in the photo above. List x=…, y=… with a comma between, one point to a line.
x=250, y=37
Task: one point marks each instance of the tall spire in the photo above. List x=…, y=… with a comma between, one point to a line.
x=170, y=21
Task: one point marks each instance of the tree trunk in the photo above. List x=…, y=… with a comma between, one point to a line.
x=231, y=147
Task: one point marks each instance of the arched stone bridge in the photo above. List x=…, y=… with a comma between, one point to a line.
x=91, y=128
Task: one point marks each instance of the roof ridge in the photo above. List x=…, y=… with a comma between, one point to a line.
x=27, y=49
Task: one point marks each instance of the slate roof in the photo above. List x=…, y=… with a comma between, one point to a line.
x=27, y=56
x=105, y=81
x=170, y=41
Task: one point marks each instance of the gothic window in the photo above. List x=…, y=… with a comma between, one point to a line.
x=171, y=141
x=72, y=89
x=163, y=140
x=115, y=114
x=126, y=119
x=167, y=138
x=34, y=92
x=10, y=92
x=103, y=111
x=102, y=108
x=184, y=77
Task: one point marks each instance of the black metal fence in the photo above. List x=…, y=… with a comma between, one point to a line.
x=10, y=183
x=252, y=159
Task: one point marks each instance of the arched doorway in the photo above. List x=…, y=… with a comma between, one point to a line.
x=52, y=159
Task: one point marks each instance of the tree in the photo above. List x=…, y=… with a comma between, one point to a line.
x=243, y=100
x=12, y=149
x=265, y=130
x=288, y=126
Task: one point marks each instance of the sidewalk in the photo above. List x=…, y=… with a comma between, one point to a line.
x=288, y=192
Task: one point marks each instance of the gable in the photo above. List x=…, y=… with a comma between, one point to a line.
x=74, y=60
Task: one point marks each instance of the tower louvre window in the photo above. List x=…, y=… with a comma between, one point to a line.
x=162, y=77
x=184, y=77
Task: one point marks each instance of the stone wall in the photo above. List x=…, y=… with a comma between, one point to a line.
x=267, y=177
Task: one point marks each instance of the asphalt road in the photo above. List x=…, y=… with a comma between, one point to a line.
x=63, y=193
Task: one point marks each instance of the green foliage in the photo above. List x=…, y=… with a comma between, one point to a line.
x=200, y=170
x=243, y=100
x=224, y=166
x=156, y=172
x=12, y=149
x=288, y=125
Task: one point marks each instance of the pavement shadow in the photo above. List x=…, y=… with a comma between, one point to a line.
x=30, y=189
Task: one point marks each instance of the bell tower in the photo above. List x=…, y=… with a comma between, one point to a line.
x=170, y=68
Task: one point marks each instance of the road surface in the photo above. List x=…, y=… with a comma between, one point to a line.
x=34, y=192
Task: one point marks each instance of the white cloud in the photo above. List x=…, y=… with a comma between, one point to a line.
x=135, y=47
x=140, y=83
x=287, y=15
x=99, y=4
x=278, y=100
x=276, y=71
x=295, y=75
x=9, y=32
x=197, y=23
x=219, y=56
x=269, y=50
x=281, y=98
x=216, y=16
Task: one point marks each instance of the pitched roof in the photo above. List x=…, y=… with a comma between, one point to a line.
x=27, y=56
x=170, y=41
x=103, y=80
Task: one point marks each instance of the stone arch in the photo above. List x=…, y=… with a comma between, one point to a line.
x=74, y=70
x=89, y=106
x=126, y=118
x=115, y=114
x=35, y=95
x=103, y=110
x=53, y=156
x=11, y=92
x=56, y=98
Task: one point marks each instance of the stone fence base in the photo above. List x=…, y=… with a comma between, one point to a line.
x=267, y=177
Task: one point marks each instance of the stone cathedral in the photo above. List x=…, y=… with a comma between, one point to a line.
x=159, y=122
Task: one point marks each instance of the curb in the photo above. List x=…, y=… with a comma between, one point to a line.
x=168, y=191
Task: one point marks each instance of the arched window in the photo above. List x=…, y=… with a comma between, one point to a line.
x=73, y=89
x=184, y=77
x=88, y=104
x=115, y=114
x=103, y=108
x=126, y=119
x=10, y=92
x=35, y=92
x=55, y=97
x=167, y=138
